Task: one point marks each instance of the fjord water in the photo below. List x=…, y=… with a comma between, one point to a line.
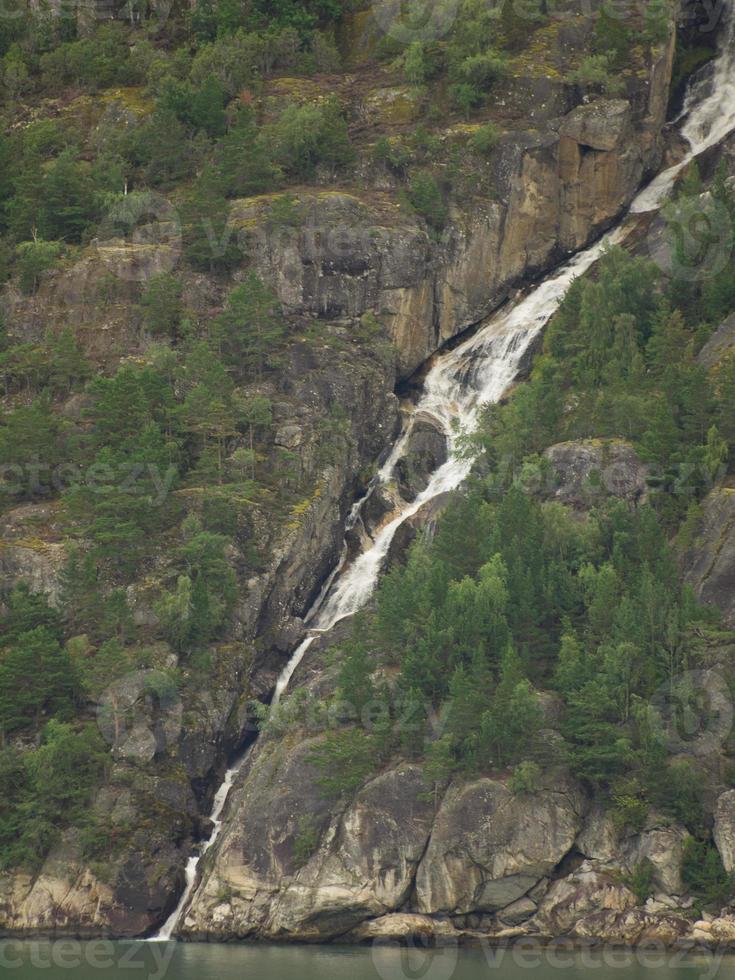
x=477, y=372
x=229, y=961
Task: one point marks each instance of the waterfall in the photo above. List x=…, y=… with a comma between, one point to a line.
x=192, y=865
x=708, y=117
x=476, y=372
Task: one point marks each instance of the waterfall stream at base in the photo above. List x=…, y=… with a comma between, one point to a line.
x=476, y=372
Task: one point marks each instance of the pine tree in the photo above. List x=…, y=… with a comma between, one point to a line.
x=251, y=326
x=244, y=162
x=67, y=208
x=355, y=675
x=26, y=611
x=162, y=305
x=36, y=676
x=210, y=240
x=81, y=596
x=69, y=366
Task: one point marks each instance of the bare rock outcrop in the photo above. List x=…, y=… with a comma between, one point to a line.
x=362, y=864
x=578, y=895
x=660, y=841
x=709, y=563
x=489, y=847
x=584, y=470
x=720, y=344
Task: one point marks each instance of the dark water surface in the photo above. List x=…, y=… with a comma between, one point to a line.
x=106, y=960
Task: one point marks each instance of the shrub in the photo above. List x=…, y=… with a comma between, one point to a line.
x=344, y=759
x=640, y=880
x=308, y=135
x=425, y=197
x=525, y=778
x=703, y=872
x=677, y=789
x=612, y=38
x=306, y=840
x=484, y=140
x=482, y=70
x=393, y=153
x=657, y=21
x=35, y=258
x=421, y=62
x=630, y=812
x=97, y=62
x=466, y=97
x=285, y=212
x=595, y=73
x=231, y=59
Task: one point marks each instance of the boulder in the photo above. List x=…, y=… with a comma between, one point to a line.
x=402, y=927
x=489, y=847
x=660, y=841
x=426, y=450
x=517, y=912
x=425, y=521
x=722, y=930
x=598, y=839
x=602, y=125
x=633, y=927
x=662, y=844
x=582, y=472
x=570, y=899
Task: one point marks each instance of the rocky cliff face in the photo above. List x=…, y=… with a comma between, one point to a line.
x=395, y=861
x=710, y=561
x=477, y=859
x=560, y=174
x=170, y=755
x=556, y=188
x=390, y=859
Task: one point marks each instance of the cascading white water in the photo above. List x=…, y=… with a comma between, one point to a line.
x=707, y=120
x=218, y=805
x=476, y=372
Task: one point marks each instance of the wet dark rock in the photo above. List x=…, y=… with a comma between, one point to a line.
x=425, y=452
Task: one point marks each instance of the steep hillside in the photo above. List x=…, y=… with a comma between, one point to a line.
x=227, y=232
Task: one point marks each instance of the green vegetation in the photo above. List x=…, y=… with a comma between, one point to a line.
x=166, y=446
x=596, y=72
x=424, y=196
x=640, y=880
x=515, y=594
x=46, y=789
x=306, y=840
x=484, y=139
x=185, y=420
x=703, y=873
